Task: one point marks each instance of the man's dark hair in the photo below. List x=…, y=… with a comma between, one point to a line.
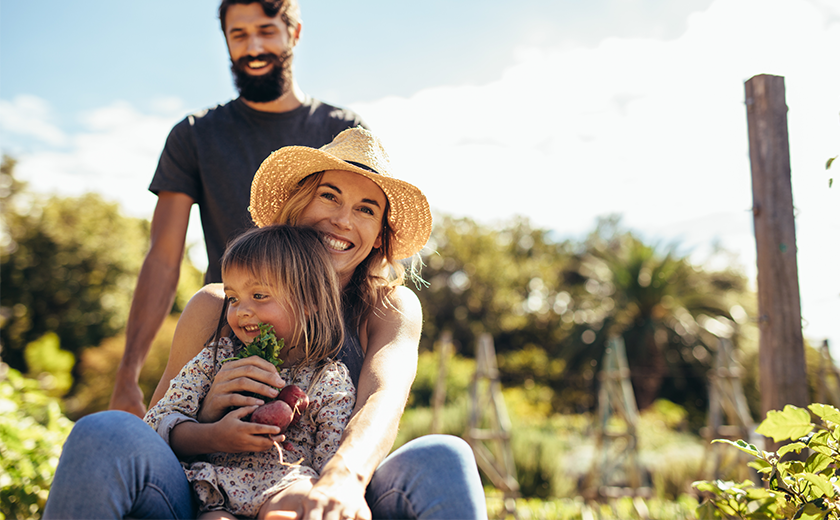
x=289, y=10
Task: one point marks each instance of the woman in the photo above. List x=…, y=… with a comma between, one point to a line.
x=368, y=220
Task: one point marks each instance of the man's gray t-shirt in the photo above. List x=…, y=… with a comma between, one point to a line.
x=212, y=156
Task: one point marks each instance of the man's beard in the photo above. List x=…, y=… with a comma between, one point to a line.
x=267, y=87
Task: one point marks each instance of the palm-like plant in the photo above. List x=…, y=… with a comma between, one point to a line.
x=669, y=313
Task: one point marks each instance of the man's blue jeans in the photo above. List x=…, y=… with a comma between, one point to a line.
x=114, y=466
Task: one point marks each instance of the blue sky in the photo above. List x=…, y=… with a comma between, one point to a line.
x=558, y=110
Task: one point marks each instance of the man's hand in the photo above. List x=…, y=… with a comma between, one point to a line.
x=252, y=374
x=127, y=396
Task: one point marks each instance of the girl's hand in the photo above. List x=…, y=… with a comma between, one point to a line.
x=234, y=435
x=252, y=374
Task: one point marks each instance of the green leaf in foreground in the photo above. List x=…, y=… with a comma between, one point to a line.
x=794, y=446
x=789, y=424
x=821, y=485
x=743, y=446
x=826, y=412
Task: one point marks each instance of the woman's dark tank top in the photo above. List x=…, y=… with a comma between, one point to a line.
x=351, y=353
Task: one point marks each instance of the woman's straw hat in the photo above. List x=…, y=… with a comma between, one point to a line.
x=354, y=150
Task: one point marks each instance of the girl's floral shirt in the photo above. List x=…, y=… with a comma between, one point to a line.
x=241, y=482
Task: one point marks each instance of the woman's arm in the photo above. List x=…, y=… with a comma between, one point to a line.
x=389, y=368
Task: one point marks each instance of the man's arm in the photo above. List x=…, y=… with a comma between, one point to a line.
x=390, y=366
x=153, y=297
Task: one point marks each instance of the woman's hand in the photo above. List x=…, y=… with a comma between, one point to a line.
x=337, y=494
x=252, y=374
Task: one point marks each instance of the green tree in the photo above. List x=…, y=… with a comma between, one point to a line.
x=486, y=280
x=670, y=313
x=552, y=305
x=511, y=281
x=68, y=266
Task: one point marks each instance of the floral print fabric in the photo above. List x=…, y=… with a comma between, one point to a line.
x=241, y=482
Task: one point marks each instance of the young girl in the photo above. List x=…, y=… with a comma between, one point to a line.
x=281, y=276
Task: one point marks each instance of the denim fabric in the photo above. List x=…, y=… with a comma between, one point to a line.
x=431, y=477
x=115, y=466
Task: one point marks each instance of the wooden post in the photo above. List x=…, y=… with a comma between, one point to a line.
x=781, y=349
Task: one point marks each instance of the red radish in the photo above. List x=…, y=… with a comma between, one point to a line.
x=275, y=413
x=296, y=399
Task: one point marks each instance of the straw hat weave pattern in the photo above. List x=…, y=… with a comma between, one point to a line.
x=355, y=150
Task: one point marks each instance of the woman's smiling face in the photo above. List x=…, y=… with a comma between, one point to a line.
x=348, y=210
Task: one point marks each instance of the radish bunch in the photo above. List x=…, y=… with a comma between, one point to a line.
x=285, y=411
x=292, y=401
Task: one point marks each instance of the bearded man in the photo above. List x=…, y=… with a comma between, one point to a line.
x=210, y=158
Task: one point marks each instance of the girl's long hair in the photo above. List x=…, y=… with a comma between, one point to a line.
x=373, y=280
x=294, y=262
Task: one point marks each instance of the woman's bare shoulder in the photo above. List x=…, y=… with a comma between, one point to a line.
x=201, y=314
x=400, y=313
x=212, y=294
x=404, y=301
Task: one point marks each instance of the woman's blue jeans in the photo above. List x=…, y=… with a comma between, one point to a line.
x=115, y=466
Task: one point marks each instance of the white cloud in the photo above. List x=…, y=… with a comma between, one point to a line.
x=655, y=130
x=30, y=116
x=115, y=154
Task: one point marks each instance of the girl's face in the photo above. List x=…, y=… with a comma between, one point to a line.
x=251, y=302
x=347, y=210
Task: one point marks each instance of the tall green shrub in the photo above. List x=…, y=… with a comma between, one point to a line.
x=32, y=432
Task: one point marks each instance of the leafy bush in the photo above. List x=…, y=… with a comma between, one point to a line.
x=795, y=489
x=51, y=365
x=459, y=372
x=32, y=432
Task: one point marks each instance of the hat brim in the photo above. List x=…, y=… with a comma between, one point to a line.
x=409, y=216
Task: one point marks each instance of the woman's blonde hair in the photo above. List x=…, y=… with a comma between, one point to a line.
x=373, y=280
x=295, y=262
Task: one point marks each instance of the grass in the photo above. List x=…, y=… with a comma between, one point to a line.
x=624, y=508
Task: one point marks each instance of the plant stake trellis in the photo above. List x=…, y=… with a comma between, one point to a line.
x=489, y=428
